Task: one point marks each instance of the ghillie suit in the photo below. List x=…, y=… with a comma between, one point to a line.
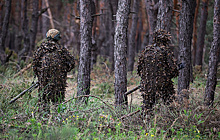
x=156, y=67
x=51, y=64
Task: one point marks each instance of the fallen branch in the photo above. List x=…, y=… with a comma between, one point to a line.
x=23, y=70
x=170, y=127
x=87, y=96
x=130, y=114
x=33, y=86
x=132, y=90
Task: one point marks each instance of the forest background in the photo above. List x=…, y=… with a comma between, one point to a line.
x=30, y=20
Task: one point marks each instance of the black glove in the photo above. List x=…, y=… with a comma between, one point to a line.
x=181, y=66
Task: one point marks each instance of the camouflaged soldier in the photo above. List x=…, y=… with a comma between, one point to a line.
x=51, y=64
x=156, y=67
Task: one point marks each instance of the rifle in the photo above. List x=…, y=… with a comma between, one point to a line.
x=33, y=86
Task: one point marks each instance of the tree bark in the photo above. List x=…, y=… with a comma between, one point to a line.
x=112, y=5
x=176, y=7
x=164, y=16
x=185, y=41
x=45, y=20
x=85, y=48
x=1, y=15
x=213, y=58
x=4, y=31
x=25, y=23
x=120, y=52
x=132, y=35
x=202, y=32
x=152, y=10
x=34, y=24
x=101, y=38
x=195, y=32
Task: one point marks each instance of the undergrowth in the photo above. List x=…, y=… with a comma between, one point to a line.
x=99, y=119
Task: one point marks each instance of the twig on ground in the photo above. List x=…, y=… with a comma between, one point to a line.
x=130, y=114
x=23, y=70
x=88, y=96
x=87, y=110
x=170, y=127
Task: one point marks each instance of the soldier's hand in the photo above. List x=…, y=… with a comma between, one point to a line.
x=181, y=66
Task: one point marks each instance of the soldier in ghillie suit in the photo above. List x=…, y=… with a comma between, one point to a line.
x=51, y=64
x=156, y=67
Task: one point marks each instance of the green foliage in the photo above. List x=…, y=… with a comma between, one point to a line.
x=27, y=119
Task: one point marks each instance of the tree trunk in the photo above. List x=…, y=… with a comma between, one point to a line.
x=45, y=20
x=112, y=5
x=164, y=16
x=76, y=31
x=213, y=58
x=176, y=7
x=120, y=51
x=3, y=33
x=132, y=35
x=186, y=30
x=34, y=24
x=195, y=32
x=152, y=10
x=1, y=15
x=94, y=50
x=101, y=38
x=85, y=48
x=25, y=23
x=202, y=32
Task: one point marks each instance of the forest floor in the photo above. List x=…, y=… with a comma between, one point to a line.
x=99, y=119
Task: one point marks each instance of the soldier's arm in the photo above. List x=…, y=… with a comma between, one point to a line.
x=140, y=64
x=36, y=60
x=69, y=58
x=172, y=64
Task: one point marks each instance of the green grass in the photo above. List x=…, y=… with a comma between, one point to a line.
x=26, y=119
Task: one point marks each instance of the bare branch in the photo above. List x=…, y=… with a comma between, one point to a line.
x=130, y=114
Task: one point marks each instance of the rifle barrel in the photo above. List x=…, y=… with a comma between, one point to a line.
x=35, y=85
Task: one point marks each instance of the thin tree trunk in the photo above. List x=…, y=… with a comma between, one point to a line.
x=101, y=38
x=76, y=31
x=85, y=48
x=202, y=32
x=186, y=30
x=164, y=16
x=34, y=24
x=195, y=32
x=94, y=50
x=25, y=23
x=152, y=10
x=45, y=20
x=213, y=58
x=132, y=35
x=111, y=7
x=120, y=51
x=142, y=23
x=176, y=7
x=1, y=14
x=3, y=33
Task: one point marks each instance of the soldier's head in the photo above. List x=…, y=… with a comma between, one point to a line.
x=53, y=34
x=161, y=37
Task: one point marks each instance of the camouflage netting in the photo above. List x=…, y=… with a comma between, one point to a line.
x=51, y=64
x=156, y=67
